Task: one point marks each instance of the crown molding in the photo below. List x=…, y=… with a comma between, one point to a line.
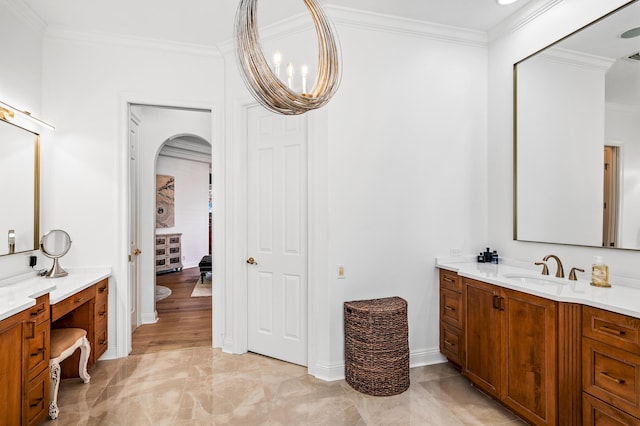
x=522, y=17
x=21, y=10
x=63, y=33
x=360, y=19
x=577, y=59
x=370, y=21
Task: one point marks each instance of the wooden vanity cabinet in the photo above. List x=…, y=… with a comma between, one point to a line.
x=511, y=349
x=100, y=343
x=507, y=344
x=451, y=317
x=11, y=376
x=611, y=368
x=36, y=348
x=88, y=310
x=24, y=365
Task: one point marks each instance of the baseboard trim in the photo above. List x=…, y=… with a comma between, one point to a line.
x=150, y=318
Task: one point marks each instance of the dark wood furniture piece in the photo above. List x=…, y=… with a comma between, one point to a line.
x=611, y=368
x=24, y=365
x=522, y=350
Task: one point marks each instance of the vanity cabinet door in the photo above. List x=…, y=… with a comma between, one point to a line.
x=483, y=336
x=511, y=349
x=11, y=375
x=530, y=381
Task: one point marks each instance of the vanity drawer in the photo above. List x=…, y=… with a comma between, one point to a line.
x=450, y=280
x=609, y=327
x=451, y=310
x=36, y=347
x=102, y=288
x=37, y=398
x=612, y=375
x=101, y=313
x=67, y=305
x=100, y=345
x=451, y=339
x=598, y=413
x=40, y=311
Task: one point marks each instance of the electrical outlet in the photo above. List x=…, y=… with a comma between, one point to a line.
x=455, y=252
x=341, y=272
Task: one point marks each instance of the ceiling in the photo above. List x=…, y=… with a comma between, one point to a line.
x=210, y=22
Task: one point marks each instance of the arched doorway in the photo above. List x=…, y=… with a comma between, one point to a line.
x=173, y=142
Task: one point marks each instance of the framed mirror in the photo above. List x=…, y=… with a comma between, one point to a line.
x=20, y=193
x=577, y=137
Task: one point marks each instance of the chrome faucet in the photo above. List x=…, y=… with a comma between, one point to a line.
x=560, y=270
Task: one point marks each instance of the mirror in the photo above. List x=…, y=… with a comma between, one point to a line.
x=577, y=137
x=19, y=170
x=55, y=244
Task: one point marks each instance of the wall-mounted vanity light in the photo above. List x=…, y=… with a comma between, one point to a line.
x=7, y=113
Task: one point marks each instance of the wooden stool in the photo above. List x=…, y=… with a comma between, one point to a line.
x=64, y=342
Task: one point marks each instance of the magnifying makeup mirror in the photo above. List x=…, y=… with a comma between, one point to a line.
x=55, y=244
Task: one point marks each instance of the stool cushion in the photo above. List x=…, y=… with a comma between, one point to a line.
x=63, y=338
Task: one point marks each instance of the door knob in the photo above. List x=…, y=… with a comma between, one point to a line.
x=252, y=261
x=137, y=252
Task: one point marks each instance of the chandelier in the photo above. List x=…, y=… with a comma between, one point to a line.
x=265, y=86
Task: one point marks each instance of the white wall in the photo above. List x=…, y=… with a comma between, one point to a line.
x=21, y=87
x=397, y=174
x=407, y=160
x=157, y=125
x=562, y=19
x=191, y=206
x=88, y=81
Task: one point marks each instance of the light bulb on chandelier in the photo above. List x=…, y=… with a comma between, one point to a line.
x=264, y=82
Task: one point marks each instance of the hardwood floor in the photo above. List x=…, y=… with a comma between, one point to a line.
x=183, y=321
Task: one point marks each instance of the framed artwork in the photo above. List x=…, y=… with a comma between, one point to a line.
x=165, y=209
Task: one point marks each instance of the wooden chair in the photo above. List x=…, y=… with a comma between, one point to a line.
x=64, y=342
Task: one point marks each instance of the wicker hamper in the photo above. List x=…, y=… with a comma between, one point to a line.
x=376, y=346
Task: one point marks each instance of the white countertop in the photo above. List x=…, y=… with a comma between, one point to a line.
x=20, y=295
x=617, y=298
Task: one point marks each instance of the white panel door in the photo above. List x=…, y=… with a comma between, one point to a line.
x=134, y=252
x=277, y=235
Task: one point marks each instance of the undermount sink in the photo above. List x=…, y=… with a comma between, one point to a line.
x=531, y=279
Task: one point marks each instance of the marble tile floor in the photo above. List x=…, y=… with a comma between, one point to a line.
x=204, y=386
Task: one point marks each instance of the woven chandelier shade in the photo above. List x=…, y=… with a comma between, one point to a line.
x=264, y=85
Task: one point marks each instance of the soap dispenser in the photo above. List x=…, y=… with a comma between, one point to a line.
x=599, y=273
